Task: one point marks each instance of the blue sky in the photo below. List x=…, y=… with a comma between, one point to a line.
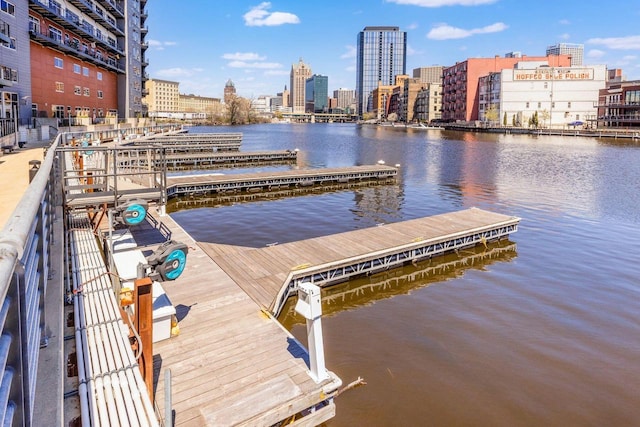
x=203, y=43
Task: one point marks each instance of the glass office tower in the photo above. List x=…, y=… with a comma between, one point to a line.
x=381, y=56
x=317, y=94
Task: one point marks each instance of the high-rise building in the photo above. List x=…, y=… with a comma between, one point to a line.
x=300, y=72
x=317, y=94
x=229, y=91
x=86, y=58
x=429, y=74
x=574, y=50
x=381, y=55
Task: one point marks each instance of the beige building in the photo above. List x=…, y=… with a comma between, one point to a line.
x=198, y=104
x=429, y=74
x=300, y=72
x=162, y=96
x=428, y=105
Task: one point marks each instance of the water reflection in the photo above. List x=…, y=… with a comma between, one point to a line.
x=369, y=289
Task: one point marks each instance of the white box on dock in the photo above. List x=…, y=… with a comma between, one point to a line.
x=163, y=311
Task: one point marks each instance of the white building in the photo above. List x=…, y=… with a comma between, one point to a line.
x=559, y=95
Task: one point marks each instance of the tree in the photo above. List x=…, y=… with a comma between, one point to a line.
x=233, y=109
x=513, y=120
x=545, y=116
x=504, y=119
x=491, y=114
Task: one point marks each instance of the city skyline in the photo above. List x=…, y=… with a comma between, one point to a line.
x=255, y=43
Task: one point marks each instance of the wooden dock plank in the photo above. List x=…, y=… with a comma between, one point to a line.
x=269, y=265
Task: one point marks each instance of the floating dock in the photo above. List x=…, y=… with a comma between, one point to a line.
x=211, y=158
x=264, y=181
x=271, y=274
x=231, y=363
x=193, y=138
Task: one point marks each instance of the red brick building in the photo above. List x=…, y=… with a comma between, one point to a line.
x=460, y=99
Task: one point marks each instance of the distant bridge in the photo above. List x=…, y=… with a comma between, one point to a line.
x=320, y=117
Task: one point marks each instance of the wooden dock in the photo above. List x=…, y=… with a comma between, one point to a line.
x=207, y=183
x=271, y=274
x=193, y=139
x=210, y=158
x=231, y=363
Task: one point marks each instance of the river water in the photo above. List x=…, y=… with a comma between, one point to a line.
x=540, y=330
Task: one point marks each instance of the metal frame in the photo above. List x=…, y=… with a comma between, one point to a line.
x=328, y=274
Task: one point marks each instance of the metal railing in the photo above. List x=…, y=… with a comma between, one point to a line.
x=25, y=248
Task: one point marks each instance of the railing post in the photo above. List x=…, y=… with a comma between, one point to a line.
x=309, y=305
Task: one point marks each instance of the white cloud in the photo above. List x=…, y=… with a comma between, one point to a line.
x=244, y=64
x=596, y=53
x=350, y=53
x=244, y=56
x=565, y=36
x=158, y=45
x=412, y=26
x=178, y=72
x=440, y=3
x=564, y=22
x=630, y=57
x=258, y=16
x=276, y=73
x=410, y=51
x=620, y=43
x=447, y=32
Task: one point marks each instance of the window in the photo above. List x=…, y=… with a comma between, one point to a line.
x=58, y=63
x=59, y=86
x=76, y=68
x=77, y=90
x=55, y=34
x=85, y=71
x=569, y=104
x=34, y=25
x=539, y=104
x=87, y=92
x=99, y=75
x=7, y=7
x=527, y=105
x=100, y=94
x=546, y=85
x=553, y=105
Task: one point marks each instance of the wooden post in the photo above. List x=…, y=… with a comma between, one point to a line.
x=143, y=323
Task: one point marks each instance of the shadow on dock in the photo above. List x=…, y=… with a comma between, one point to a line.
x=365, y=290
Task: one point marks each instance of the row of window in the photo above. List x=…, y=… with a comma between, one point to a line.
x=77, y=69
x=78, y=90
x=59, y=111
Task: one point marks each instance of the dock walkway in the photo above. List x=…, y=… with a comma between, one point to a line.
x=271, y=274
x=207, y=183
x=232, y=363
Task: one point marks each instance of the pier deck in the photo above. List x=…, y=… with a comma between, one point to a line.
x=232, y=363
x=212, y=158
x=182, y=138
x=270, y=275
x=206, y=183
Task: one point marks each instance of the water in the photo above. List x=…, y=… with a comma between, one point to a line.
x=541, y=330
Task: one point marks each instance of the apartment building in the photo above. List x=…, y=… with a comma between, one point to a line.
x=87, y=58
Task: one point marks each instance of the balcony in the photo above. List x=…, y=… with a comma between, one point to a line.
x=96, y=13
x=115, y=7
x=54, y=41
x=70, y=21
x=620, y=104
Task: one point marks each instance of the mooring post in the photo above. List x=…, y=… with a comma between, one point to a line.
x=309, y=305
